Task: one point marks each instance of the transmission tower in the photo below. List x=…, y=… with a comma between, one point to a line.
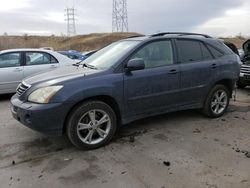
x=120, y=16
x=71, y=21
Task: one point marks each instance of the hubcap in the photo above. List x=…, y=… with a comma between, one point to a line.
x=219, y=102
x=94, y=126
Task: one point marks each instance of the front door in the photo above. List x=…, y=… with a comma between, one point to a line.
x=11, y=72
x=154, y=88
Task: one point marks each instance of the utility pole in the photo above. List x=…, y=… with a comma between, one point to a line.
x=120, y=16
x=71, y=20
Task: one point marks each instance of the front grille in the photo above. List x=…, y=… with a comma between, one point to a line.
x=22, y=87
x=245, y=69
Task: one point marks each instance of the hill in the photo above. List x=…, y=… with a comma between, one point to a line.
x=81, y=42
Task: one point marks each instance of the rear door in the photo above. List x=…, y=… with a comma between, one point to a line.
x=36, y=62
x=11, y=71
x=156, y=87
x=198, y=68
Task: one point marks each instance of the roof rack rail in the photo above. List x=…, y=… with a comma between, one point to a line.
x=179, y=33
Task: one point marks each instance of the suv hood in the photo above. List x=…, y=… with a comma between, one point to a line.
x=60, y=74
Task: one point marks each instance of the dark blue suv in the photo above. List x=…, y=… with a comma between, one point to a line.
x=128, y=80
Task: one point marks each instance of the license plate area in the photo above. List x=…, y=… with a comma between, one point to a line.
x=247, y=77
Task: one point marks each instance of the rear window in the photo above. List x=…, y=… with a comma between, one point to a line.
x=216, y=53
x=219, y=45
x=191, y=51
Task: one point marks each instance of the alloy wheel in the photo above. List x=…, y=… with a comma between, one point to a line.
x=219, y=102
x=94, y=126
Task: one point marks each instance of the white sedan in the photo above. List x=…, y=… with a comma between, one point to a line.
x=17, y=64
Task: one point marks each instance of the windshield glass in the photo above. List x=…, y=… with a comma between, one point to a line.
x=108, y=56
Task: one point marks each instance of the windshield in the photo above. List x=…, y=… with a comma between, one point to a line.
x=108, y=56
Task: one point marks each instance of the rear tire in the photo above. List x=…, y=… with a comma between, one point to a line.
x=217, y=101
x=91, y=125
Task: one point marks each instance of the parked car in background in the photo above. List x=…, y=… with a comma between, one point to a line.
x=128, y=80
x=244, y=79
x=17, y=64
x=72, y=54
x=232, y=47
x=241, y=53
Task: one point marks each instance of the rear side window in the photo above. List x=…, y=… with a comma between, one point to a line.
x=205, y=52
x=216, y=53
x=39, y=58
x=191, y=51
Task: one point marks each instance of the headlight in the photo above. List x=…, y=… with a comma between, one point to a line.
x=43, y=95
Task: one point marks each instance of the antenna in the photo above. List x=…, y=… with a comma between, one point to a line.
x=120, y=16
x=71, y=20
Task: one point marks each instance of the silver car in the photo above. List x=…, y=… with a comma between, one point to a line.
x=17, y=64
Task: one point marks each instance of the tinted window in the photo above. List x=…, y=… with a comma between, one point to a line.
x=156, y=54
x=216, y=53
x=222, y=47
x=10, y=60
x=205, y=52
x=38, y=58
x=189, y=51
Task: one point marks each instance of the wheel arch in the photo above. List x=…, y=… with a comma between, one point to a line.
x=103, y=98
x=229, y=83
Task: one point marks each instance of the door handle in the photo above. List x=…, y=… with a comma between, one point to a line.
x=213, y=66
x=18, y=70
x=53, y=66
x=173, y=71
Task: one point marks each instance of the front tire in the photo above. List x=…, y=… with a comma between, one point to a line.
x=91, y=125
x=217, y=101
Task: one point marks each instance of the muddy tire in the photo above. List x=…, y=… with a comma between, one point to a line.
x=216, y=102
x=91, y=125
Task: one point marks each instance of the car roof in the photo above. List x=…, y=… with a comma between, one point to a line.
x=173, y=35
x=26, y=49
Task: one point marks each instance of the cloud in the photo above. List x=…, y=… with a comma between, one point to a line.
x=213, y=17
x=233, y=22
x=7, y=5
x=176, y=15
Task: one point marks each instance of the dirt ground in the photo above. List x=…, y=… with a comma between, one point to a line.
x=177, y=150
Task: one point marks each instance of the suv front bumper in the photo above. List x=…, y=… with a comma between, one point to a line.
x=244, y=78
x=45, y=118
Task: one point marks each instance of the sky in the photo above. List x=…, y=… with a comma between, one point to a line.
x=46, y=17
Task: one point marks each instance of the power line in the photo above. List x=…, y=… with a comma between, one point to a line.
x=71, y=20
x=120, y=16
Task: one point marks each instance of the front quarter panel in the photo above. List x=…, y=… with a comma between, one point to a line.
x=79, y=89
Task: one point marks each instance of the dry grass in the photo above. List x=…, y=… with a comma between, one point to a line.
x=238, y=41
x=81, y=43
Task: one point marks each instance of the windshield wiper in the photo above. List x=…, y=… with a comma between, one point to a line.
x=78, y=64
x=89, y=66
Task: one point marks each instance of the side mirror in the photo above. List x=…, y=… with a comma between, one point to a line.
x=135, y=64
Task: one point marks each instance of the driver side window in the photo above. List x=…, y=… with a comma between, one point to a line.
x=10, y=60
x=156, y=54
